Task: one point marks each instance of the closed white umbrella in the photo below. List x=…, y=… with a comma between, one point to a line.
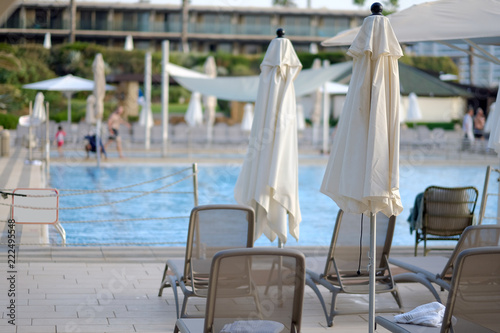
x=494, y=126
x=316, y=108
x=99, y=92
x=38, y=115
x=129, y=43
x=247, y=120
x=413, y=113
x=268, y=180
x=362, y=175
x=301, y=121
x=90, y=110
x=210, y=102
x=47, y=41
x=194, y=112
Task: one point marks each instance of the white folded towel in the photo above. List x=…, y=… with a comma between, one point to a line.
x=249, y=326
x=430, y=314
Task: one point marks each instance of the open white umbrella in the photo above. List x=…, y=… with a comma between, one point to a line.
x=449, y=22
x=301, y=121
x=210, y=102
x=268, y=180
x=413, y=113
x=247, y=120
x=99, y=92
x=67, y=84
x=362, y=175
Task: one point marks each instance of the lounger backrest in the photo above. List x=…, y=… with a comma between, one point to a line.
x=251, y=286
x=213, y=228
x=351, y=244
x=473, y=236
x=474, y=298
x=448, y=210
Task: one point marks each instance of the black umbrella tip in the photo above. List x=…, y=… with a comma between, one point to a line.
x=376, y=8
x=280, y=32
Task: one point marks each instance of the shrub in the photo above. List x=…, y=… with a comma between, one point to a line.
x=8, y=121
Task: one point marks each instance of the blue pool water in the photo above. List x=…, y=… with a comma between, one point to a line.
x=216, y=183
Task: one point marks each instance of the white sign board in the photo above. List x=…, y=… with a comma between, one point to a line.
x=38, y=206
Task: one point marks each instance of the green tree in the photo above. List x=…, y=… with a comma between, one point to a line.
x=284, y=3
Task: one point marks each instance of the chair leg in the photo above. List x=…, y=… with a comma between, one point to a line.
x=416, y=243
x=163, y=282
x=314, y=287
x=332, y=308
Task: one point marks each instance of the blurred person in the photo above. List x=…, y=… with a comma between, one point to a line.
x=91, y=146
x=468, y=128
x=60, y=135
x=114, y=122
x=479, y=122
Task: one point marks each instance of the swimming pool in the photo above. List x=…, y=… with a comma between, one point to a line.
x=216, y=184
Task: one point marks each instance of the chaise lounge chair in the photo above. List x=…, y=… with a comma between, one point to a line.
x=346, y=266
x=212, y=228
x=439, y=269
x=241, y=298
x=447, y=211
x=473, y=301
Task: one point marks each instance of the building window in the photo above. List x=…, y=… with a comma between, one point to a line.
x=143, y=21
x=128, y=22
x=85, y=20
x=297, y=25
x=101, y=20
x=212, y=24
x=173, y=22
x=330, y=26
x=256, y=25
x=14, y=20
x=56, y=19
x=40, y=19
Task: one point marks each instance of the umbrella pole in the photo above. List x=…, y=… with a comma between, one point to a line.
x=47, y=144
x=373, y=254
x=165, y=47
x=68, y=95
x=30, y=133
x=98, y=141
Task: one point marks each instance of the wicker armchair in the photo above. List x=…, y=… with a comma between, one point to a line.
x=446, y=213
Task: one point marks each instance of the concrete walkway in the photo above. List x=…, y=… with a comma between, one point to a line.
x=114, y=289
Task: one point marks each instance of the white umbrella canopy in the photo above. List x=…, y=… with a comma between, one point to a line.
x=445, y=21
x=268, y=180
x=67, y=84
x=194, y=112
x=47, y=41
x=247, y=120
x=413, y=113
x=362, y=174
x=301, y=121
x=129, y=43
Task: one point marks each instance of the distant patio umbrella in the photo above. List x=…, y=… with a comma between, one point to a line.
x=268, y=180
x=247, y=120
x=146, y=115
x=99, y=92
x=90, y=110
x=67, y=84
x=194, y=112
x=210, y=102
x=413, y=113
x=362, y=175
